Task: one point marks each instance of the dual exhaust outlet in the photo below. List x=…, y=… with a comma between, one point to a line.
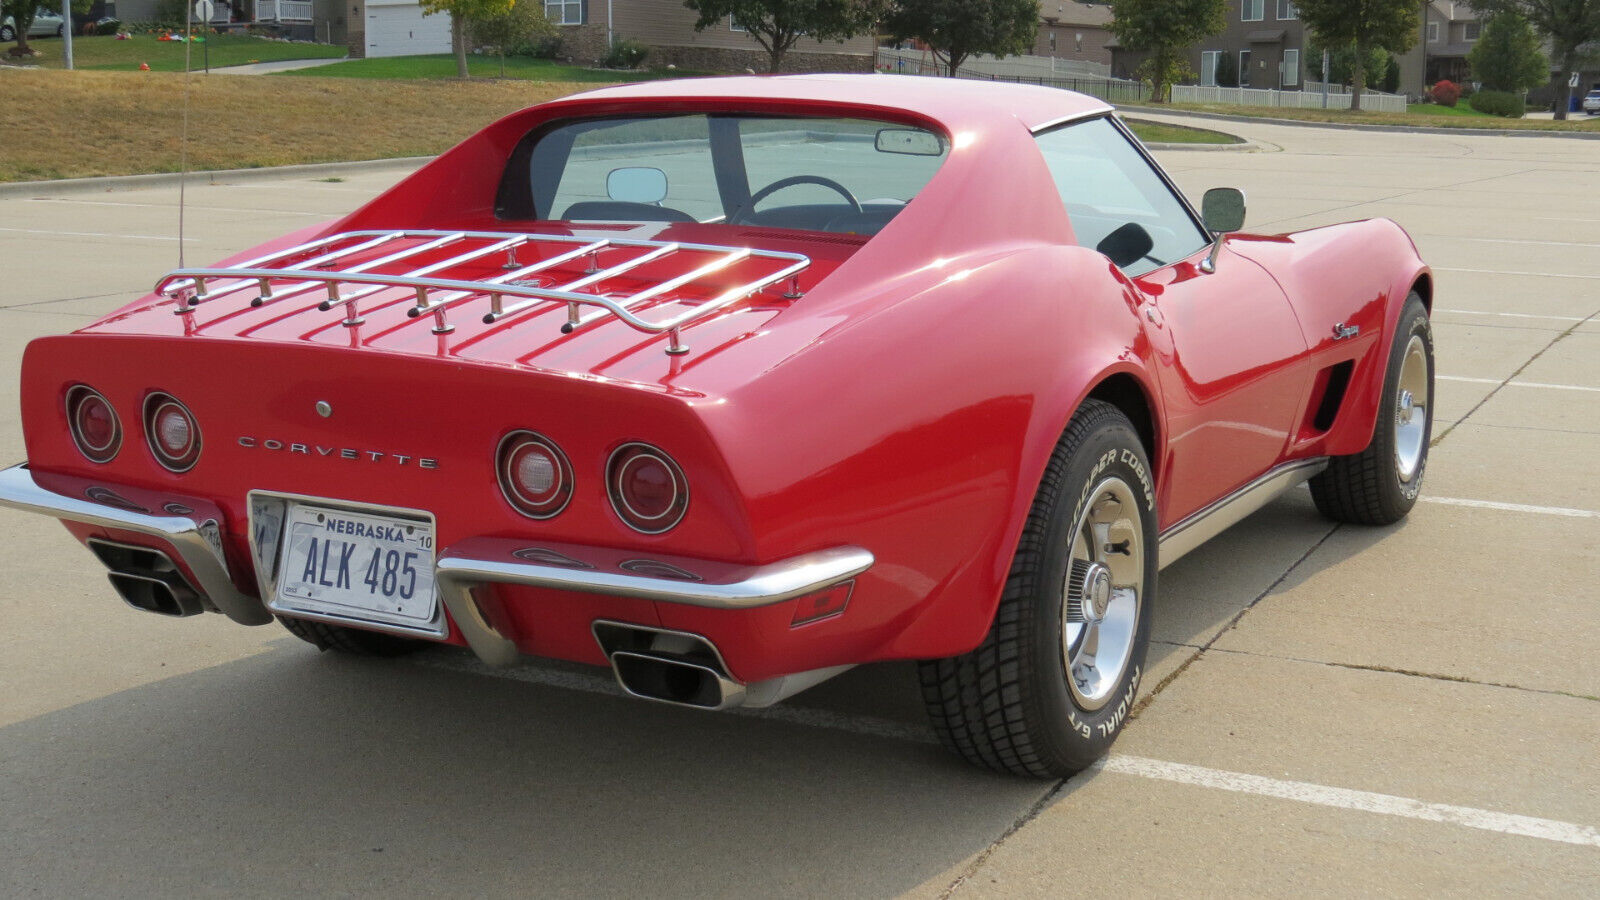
x=148, y=579
x=687, y=669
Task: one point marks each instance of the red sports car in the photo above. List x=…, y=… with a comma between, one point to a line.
x=732, y=384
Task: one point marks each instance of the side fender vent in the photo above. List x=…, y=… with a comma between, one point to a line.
x=1331, y=384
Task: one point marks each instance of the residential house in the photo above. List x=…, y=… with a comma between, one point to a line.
x=1267, y=42
x=589, y=26
x=1073, y=29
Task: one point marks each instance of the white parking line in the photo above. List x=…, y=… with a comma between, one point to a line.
x=1509, y=315
x=132, y=237
x=174, y=206
x=1508, y=272
x=1363, y=801
x=1526, y=384
x=1514, y=507
x=1300, y=791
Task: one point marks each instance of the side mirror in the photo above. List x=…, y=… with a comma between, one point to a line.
x=1222, y=209
x=637, y=184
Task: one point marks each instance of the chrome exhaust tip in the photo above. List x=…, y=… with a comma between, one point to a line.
x=148, y=579
x=668, y=666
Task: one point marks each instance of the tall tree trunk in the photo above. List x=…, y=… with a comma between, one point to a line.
x=776, y=57
x=458, y=40
x=1358, y=75
x=1569, y=64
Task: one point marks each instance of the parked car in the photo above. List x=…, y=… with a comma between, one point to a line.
x=45, y=24
x=1591, y=103
x=732, y=384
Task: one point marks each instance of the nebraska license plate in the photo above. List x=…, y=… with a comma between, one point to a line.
x=358, y=565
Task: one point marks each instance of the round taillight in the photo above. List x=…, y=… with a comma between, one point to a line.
x=647, y=489
x=172, y=432
x=94, y=424
x=534, y=474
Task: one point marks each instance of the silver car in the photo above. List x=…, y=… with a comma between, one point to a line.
x=45, y=24
x=1591, y=103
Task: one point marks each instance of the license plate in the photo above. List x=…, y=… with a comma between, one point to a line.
x=361, y=566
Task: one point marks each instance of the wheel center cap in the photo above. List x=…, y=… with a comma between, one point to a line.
x=1096, y=592
x=1406, y=407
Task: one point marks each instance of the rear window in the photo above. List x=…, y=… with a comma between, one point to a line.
x=821, y=174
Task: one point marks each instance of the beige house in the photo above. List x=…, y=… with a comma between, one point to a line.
x=1072, y=29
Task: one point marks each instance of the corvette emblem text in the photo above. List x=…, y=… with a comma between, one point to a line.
x=422, y=462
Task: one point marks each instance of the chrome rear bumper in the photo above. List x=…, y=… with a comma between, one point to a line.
x=196, y=541
x=196, y=538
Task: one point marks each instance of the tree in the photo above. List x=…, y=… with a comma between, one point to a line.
x=518, y=26
x=1506, y=56
x=956, y=29
x=1227, y=70
x=1363, y=25
x=461, y=11
x=1569, y=24
x=21, y=13
x=1342, y=63
x=1165, y=29
x=778, y=24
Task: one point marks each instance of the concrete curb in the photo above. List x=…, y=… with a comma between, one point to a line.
x=1354, y=126
x=225, y=176
x=1243, y=146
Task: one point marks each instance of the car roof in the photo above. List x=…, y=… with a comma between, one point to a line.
x=956, y=103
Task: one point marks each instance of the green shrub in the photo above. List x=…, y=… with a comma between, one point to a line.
x=1498, y=103
x=538, y=48
x=626, y=54
x=110, y=26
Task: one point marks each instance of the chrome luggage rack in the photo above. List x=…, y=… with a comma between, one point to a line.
x=321, y=267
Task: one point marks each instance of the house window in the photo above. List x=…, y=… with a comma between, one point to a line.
x=1433, y=32
x=1286, y=11
x=735, y=26
x=564, y=12
x=1251, y=10
x=1291, y=68
x=1208, y=67
x=1471, y=30
x=1052, y=42
x=1244, y=68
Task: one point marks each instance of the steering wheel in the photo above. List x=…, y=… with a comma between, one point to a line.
x=749, y=206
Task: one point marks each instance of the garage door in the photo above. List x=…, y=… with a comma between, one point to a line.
x=402, y=30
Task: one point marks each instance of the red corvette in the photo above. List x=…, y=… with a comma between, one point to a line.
x=732, y=384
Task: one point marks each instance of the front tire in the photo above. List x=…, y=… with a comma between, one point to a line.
x=1379, y=485
x=1051, y=685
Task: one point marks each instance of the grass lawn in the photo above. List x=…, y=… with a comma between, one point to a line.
x=1156, y=133
x=444, y=66
x=167, y=56
x=1427, y=115
x=77, y=124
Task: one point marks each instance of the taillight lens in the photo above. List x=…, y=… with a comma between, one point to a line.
x=534, y=474
x=94, y=424
x=172, y=432
x=647, y=489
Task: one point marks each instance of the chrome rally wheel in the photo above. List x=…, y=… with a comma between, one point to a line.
x=1102, y=593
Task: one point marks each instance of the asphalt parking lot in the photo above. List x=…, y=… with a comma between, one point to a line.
x=1329, y=710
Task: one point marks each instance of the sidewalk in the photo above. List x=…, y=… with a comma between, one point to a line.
x=267, y=68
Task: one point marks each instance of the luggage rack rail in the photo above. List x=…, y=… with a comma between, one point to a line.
x=316, y=264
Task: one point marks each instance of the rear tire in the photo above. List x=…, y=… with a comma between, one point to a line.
x=1379, y=485
x=7, y=33
x=355, y=641
x=1049, y=688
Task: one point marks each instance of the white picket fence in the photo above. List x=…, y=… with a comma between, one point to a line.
x=1371, y=100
